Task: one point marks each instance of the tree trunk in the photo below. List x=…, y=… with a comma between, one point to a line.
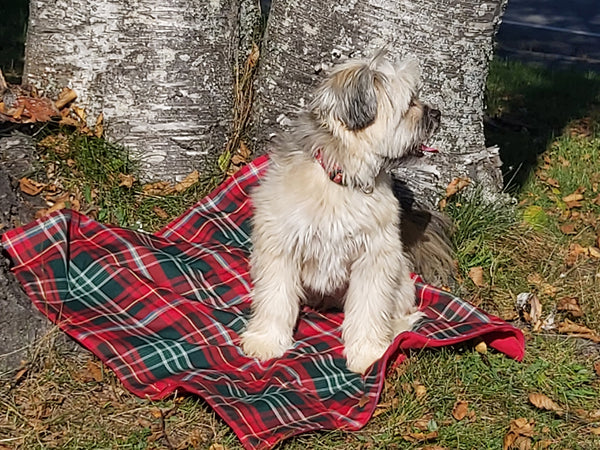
x=161, y=71
x=451, y=38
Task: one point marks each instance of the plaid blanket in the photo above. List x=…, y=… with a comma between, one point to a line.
x=165, y=312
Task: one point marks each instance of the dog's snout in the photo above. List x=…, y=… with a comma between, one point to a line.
x=435, y=114
x=431, y=117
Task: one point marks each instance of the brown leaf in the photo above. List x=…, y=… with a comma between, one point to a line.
x=95, y=370
x=420, y=437
x=66, y=96
x=575, y=197
x=595, y=430
x=188, y=181
x=126, y=180
x=577, y=330
x=597, y=368
x=542, y=401
x=159, y=188
x=254, y=55
x=160, y=212
x=420, y=390
x=594, y=252
x=476, y=275
x=244, y=151
x=457, y=185
x=552, y=182
x=460, y=410
x=570, y=305
x=574, y=204
x=568, y=228
x=519, y=432
x=574, y=251
x=80, y=113
x=422, y=424
x=535, y=314
x=364, y=400
x=99, y=126
x=31, y=187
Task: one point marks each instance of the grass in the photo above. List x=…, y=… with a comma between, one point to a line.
x=99, y=179
x=547, y=124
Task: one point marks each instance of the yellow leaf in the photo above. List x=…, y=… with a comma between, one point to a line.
x=481, y=348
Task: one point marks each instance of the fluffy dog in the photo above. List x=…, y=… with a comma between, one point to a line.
x=326, y=221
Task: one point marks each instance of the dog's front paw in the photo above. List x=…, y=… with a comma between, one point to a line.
x=360, y=357
x=264, y=346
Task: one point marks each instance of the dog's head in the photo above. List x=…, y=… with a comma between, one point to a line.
x=374, y=104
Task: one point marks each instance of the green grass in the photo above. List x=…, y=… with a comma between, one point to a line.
x=93, y=171
x=547, y=124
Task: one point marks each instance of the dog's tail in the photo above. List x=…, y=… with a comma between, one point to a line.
x=426, y=238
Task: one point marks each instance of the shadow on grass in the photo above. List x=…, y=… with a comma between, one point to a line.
x=528, y=106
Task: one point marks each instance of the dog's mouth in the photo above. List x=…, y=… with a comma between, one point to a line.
x=426, y=149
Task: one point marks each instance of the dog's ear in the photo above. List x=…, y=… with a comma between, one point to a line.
x=356, y=103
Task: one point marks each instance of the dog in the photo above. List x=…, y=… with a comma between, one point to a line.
x=326, y=223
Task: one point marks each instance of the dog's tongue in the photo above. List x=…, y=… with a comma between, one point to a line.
x=426, y=149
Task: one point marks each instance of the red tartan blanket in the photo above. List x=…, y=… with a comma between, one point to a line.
x=165, y=311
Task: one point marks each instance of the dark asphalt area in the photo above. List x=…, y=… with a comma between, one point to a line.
x=555, y=33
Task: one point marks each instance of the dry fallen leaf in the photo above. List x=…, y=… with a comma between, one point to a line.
x=572, y=328
x=568, y=228
x=570, y=305
x=126, y=180
x=574, y=251
x=420, y=390
x=420, y=437
x=160, y=212
x=552, y=182
x=575, y=197
x=95, y=370
x=597, y=368
x=254, y=55
x=159, y=188
x=481, y=348
x=31, y=187
x=364, y=400
x=66, y=96
x=460, y=410
x=594, y=252
x=99, y=127
x=595, y=430
x=188, y=181
x=476, y=275
x=457, y=185
x=542, y=401
x=520, y=431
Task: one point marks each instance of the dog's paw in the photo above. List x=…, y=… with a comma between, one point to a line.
x=360, y=357
x=264, y=346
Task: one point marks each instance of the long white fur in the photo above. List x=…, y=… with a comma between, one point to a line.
x=315, y=238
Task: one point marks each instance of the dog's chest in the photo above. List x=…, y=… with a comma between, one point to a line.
x=330, y=245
